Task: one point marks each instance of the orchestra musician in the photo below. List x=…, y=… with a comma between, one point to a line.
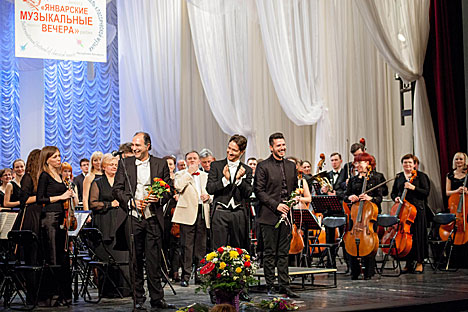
x=354, y=194
x=52, y=194
x=417, y=193
x=14, y=197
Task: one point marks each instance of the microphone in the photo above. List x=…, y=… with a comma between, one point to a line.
x=117, y=153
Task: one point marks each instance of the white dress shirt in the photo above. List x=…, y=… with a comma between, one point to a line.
x=143, y=181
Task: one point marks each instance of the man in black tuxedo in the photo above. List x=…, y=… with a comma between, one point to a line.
x=230, y=182
x=275, y=180
x=337, y=177
x=78, y=180
x=147, y=225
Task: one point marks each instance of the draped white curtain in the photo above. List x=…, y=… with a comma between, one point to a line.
x=290, y=32
x=149, y=71
x=400, y=30
x=220, y=40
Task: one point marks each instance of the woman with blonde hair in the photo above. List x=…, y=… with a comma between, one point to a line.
x=93, y=174
x=456, y=177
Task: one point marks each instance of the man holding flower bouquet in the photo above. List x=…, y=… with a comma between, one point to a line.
x=192, y=213
x=275, y=180
x=148, y=176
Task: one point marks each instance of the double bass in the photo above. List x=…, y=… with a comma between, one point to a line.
x=361, y=240
x=457, y=206
x=406, y=213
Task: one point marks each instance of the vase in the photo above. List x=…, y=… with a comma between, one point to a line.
x=229, y=297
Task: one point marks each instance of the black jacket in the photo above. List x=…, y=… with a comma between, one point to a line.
x=340, y=184
x=267, y=187
x=223, y=194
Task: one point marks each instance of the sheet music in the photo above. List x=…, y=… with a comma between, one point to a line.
x=7, y=220
x=81, y=217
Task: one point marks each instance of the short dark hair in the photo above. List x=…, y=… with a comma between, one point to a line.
x=408, y=156
x=191, y=152
x=126, y=147
x=356, y=146
x=82, y=160
x=335, y=154
x=240, y=140
x=275, y=136
x=146, y=138
x=251, y=158
x=170, y=157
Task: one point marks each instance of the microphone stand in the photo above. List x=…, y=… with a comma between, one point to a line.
x=132, y=251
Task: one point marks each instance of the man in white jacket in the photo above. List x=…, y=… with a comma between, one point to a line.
x=192, y=213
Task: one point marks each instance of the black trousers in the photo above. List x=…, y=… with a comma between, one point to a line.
x=171, y=247
x=148, y=245
x=276, y=243
x=193, y=241
x=56, y=253
x=229, y=227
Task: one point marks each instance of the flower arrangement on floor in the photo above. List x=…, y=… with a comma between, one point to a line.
x=228, y=269
x=278, y=304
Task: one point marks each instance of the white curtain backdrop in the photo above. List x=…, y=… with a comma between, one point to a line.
x=290, y=32
x=400, y=30
x=220, y=40
x=149, y=71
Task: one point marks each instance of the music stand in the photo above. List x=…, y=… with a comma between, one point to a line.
x=304, y=218
x=328, y=205
x=81, y=217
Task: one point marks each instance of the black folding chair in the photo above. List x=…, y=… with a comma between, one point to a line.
x=92, y=238
x=387, y=221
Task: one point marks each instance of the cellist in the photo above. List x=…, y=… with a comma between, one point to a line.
x=417, y=193
x=354, y=194
x=454, y=181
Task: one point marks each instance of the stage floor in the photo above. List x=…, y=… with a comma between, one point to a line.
x=441, y=291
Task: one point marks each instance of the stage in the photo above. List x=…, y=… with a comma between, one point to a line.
x=441, y=291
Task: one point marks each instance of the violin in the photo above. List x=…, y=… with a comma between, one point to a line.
x=457, y=206
x=69, y=221
x=406, y=213
x=361, y=240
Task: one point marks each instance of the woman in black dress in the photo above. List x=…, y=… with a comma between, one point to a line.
x=5, y=178
x=52, y=194
x=417, y=193
x=454, y=184
x=14, y=197
x=108, y=217
x=354, y=194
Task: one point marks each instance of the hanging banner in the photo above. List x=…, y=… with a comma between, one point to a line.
x=61, y=29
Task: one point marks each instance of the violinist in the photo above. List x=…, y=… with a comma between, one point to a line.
x=364, y=163
x=417, y=193
x=52, y=193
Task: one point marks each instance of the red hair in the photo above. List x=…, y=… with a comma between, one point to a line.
x=365, y=157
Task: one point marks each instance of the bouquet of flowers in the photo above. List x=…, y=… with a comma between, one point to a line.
x=292, y=201
x=278, y=304
x=228, y=269
x=158, y=188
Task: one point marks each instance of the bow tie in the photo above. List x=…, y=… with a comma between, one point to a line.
x=335, y=173
x=139, y=162
x=196, y=173
x=233, y=164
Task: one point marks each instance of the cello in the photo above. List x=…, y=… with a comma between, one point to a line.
x=406, y=213
x=457, y=206
x=318, y=236
x=361, y=240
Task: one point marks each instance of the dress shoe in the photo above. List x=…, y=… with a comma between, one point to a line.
x=271, y=291
x=244, y=296
x=140, y=307
x=367, y=277
x=162, y=304
x=288, y=292
x=184, y=284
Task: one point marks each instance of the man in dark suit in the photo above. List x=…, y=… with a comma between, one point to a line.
x=275, y=180
x=78, y=180
x=230, y=182
x=147, y=220
x=337, y=177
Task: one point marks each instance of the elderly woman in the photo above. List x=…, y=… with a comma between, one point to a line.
x=108, y=217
